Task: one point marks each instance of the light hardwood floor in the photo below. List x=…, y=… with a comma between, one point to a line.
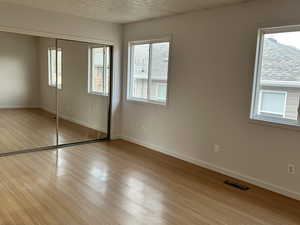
x=119, y=183
x=33, y=128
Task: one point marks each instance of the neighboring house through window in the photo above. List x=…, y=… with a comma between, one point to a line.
x=148, y=68
x=276, y=89
x=52, y=67
x=99, y=70
x=272, y=103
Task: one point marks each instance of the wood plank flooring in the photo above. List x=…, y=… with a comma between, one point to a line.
x=119, y=183
x=33, y=128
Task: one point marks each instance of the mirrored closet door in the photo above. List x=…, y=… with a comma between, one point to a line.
x=83, y=91
x=26, y=117
x=52, y=92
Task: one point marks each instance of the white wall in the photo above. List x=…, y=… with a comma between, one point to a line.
x=212, y=62
x=75, y=103
x=19, y=86
x=38, y=22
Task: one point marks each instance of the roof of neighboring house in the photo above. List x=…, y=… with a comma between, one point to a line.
x=280, y=62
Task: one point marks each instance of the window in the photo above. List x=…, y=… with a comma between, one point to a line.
x=99, y=70
x=148, y=71
x=52, y=67
x=272, y=103
x=276, y=88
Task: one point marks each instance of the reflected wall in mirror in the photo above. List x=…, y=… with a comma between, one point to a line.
x=24, y=121
x=83, y=96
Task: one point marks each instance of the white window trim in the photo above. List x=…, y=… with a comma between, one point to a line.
x=266, y=113
x=129, y=88
x=50, y=83
x=90, y=73
x=257, y=77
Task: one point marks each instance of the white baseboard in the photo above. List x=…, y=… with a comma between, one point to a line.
x=82, y=123
x=18, y=107
x=221, y=170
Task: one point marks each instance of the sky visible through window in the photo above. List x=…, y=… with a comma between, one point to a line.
x=287, y=38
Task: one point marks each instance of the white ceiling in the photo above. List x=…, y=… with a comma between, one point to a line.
x=123, y=11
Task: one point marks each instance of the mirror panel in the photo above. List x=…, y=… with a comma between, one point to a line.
x=25, y=121
x=83, y=96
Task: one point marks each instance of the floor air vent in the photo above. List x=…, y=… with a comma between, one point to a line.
x=236, y=185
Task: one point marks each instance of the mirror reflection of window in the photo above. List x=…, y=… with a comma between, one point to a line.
x=99, y=70
x=52, y=67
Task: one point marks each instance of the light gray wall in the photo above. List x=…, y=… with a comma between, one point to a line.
x=210, y=82
x=75, y=103
x=19, y=86
x=17, y=18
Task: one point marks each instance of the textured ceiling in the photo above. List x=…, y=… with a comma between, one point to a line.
x=123, y=11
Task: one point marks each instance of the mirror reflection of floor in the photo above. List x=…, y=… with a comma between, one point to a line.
x=33, y=128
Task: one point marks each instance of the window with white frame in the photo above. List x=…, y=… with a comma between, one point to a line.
x=148, y=68
x=276, y=87
x=99, y=70
x=52, y=76
x=272, y=103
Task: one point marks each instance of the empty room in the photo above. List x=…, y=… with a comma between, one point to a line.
x=163, y=112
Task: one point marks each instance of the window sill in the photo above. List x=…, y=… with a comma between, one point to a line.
x=276, y=122
x=145, y=101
